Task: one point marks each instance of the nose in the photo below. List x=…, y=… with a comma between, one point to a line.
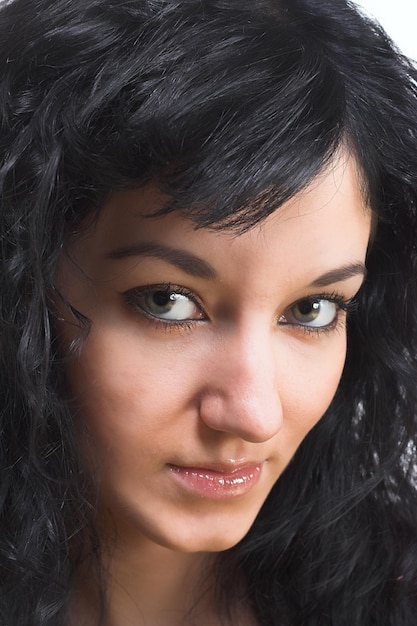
x=241, y=395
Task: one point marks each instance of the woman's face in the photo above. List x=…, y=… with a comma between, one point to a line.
x=210, y=357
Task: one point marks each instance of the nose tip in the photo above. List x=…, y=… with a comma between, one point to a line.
x=241, y=393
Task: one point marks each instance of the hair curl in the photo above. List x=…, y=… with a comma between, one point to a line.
x=232, y=107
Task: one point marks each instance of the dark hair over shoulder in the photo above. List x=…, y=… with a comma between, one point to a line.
x=232, y=107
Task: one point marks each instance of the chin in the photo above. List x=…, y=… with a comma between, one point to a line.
x=204, y=537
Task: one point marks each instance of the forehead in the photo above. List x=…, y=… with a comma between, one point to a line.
x=325, y=226
x=124, y=214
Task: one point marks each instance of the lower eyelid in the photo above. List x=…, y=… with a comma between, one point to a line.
x=339, y=323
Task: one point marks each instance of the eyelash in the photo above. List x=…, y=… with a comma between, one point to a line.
x=130, y=298
x=346, y=305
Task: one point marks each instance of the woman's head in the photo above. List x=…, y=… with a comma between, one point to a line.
x=226, y=118
x=210, y=354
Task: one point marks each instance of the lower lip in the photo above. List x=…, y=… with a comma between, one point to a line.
x=217, y=485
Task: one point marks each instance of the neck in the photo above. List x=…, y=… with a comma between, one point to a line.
x=148, y=584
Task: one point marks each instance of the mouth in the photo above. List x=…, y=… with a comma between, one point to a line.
x=218, y=482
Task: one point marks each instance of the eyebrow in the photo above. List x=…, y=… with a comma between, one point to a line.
x=340, y=274
x=195, y=266
x=185, y=261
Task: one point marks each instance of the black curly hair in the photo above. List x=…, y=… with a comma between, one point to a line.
x=232, y=106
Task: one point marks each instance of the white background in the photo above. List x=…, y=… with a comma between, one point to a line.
x=398, y=18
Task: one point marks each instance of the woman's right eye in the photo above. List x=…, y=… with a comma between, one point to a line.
x=170, y=303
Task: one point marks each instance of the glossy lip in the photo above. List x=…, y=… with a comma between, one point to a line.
x=218, y=482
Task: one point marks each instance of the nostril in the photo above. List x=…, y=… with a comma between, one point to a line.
x=212, y=409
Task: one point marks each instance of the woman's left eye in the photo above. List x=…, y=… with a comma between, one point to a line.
x=165, y=303
x=312, y=313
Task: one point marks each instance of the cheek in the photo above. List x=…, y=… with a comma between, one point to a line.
x=121, y=386
x=307, y=396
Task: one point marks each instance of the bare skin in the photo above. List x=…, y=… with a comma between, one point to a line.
x=170, y=589
x=203, y=371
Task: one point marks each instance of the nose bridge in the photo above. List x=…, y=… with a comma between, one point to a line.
x=242, y=394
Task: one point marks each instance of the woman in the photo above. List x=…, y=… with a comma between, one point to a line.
x=208, y=279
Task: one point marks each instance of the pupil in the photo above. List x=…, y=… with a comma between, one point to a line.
x=161, y=298
x=306, y=307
